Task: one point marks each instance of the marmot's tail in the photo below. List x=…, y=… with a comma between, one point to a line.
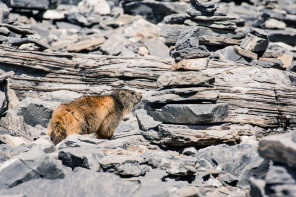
x=60, y=124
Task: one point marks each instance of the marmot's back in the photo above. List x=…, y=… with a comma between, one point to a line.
x=92, y=114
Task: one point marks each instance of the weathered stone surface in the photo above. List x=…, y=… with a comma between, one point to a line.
x=157, y=48
x=189, y=113
x=32, y=4
x=254, y=43
x=175, y=18
x=292, y=67
x=181, y=97
x=113, y=45
x=191, y=64
x=245, y=53
x=12, y=141
x=83, y=183
x=145, y=121
x=183, y=135
x=154, y=11
x=230, y=54
x=188, y=38
x=287, y=36
x=270, y=63
x=86, y=157
x=178, y=166
x=85, y=45
x=36, y=112
x=278, y=148
x=274, y=24
x=33, y=164
x=190, y=53
x=126, y=166
x=4, y=12
x=206, y=6
x=223, y=25
x=242, y=161
x=45, y=144
x=195, y=13
x=286, y=60
x=181, y=79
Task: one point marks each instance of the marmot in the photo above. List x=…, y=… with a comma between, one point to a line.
x=92, y=114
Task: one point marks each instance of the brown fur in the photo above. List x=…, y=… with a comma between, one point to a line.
x=92, y=114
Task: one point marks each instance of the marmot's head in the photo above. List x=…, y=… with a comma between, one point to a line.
x=128, y=98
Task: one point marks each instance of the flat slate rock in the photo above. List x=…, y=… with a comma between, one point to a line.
x=189, y=113
x=174, y=98
x=181, y=79
x=174, y=135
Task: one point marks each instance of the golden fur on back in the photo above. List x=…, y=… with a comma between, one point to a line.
x=92, y=114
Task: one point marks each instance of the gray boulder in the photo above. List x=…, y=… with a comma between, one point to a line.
x=34, y=164
x=36, y=112
x=242, y=161
x=279, y=149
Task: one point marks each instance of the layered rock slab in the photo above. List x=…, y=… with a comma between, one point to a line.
x=189, y=113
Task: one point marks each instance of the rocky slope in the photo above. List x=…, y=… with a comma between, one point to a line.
x=218, y=112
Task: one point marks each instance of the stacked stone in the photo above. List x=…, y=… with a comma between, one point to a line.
x=280, y=179
x=217, y=28
x=188, y=54
x=184, y=112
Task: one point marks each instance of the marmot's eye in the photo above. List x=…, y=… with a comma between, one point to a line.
x=133, y=93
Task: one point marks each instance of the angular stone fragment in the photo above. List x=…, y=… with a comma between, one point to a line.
x=206, y=6
x=12, y=141
x=224, y=25
x=86, y=157
x=175, y=19
x=194, y=13
x=145, y=121
x=286, y=59
x=176, y=166
x=256, y=41
x=181, y=79
x=241, y=160
x=179, y=136
x=245, y=53
x=189, y=113
x=124, y=165
x=190, y=53
x=188, y=38
x=85, y=45
x=269, y=63
x=274, y=24
x=279, y=148
x=157, y=48
x=30, y=165
x=113, y=45
x=191, y=64
x=36, y=112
